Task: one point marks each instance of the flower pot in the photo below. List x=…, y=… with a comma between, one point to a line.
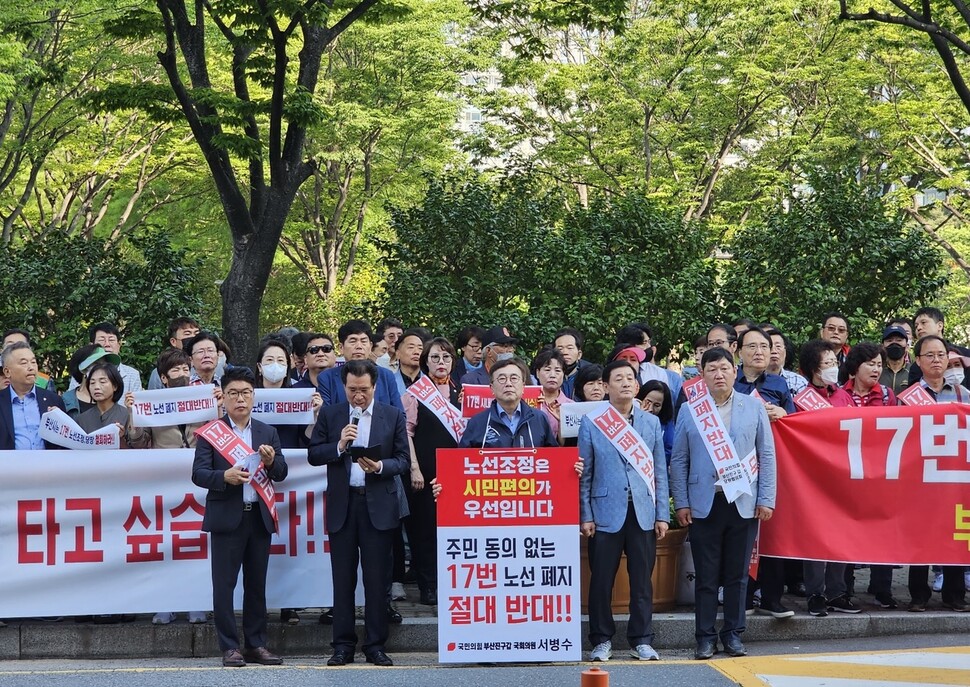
x=664, y=576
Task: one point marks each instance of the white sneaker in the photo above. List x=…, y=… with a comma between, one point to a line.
x=938, y=582
x=198, y=617
x=397, y=591
x=601, y=652
x=645, y=652
x=163, y=618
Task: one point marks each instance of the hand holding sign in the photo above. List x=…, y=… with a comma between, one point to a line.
x=267, y=455
x=237, y=474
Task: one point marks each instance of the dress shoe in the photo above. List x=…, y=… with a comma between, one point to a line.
x=289, y=616
x=734, y=647
x=704, y=650
x=262, y=656
x=379, y=658
x=341, y=658
x=326, y=618
x=233, y=659
x=393, y=616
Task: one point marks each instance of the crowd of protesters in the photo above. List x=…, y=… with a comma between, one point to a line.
x=741, y=358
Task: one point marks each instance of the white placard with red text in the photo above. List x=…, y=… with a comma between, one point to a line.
x=118, y=532
x=284, y=406
x=508, y=556
x=478, y=397
x=177, y=406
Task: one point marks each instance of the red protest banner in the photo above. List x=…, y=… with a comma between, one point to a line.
x=478, y=397
x=508, y=487
x=873, y=485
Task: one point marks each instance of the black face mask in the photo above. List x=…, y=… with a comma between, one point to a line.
x=895, y=351
x=649, y=355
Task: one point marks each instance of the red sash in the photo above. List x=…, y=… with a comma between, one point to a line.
x=233, y=449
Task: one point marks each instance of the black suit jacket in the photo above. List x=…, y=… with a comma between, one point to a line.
x=45, y=399
x=388, y=428
x=223, y=503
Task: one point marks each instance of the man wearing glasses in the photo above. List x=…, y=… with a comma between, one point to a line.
x=239, y=520
x=933, y=358
x=835, y=330
x=509, y=422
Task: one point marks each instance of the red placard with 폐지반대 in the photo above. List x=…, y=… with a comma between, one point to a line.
x=886, y=485
x=478, y=397
x=508, y=555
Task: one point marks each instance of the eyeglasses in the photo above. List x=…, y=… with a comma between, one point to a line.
x=756, y=347
x=324, y=348
x=716, y=344
x=203, y=351
x=507, y=379
x=833, y=328
x=239, y=394
x=443, y=358
x=933, y=356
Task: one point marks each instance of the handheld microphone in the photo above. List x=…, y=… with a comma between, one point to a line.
x=355, y=416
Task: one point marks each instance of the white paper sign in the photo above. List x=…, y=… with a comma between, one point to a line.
x=571, y=414
x=284, y=406
x=57, y=427
x=182, y=405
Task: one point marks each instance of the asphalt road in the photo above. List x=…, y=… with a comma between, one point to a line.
x=420, y=670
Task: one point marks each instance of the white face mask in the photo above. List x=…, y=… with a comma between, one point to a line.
x=953, y=376
x=274, y=372
x=830, y=375
x=504, y=356
x=384, y=360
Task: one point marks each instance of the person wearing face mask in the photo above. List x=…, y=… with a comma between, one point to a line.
x=497, y=345
x=273, y=371
x=819, y=364
x=895, y=373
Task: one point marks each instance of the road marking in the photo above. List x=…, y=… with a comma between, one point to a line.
x=911, y=668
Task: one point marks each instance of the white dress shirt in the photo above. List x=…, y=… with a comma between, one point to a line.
x=246, y=434
x=363, y=439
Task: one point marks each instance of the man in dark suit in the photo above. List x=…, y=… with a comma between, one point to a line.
x=240, y=523
x=363, y=506
x=22, y=405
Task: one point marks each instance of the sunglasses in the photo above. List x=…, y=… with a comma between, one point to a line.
x=325, y=348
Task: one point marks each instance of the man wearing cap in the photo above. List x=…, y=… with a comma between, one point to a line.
x=895, y=375
x=22, y=405
x=497, y=344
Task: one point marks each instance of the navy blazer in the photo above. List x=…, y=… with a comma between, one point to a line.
x=45, y=399
x=389, y=430
x=331, y=388
x=223, y=503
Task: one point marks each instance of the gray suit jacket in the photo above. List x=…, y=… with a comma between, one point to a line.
x=607, y=480
x=692, y=474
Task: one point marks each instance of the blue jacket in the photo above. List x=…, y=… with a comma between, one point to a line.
x=332, y=389
x=692, y=474
x=486, y=430
x=773, y=388
x=608, y=479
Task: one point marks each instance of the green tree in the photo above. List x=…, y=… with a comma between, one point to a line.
x=837, y=246
x=507, y=252
x=56, y=287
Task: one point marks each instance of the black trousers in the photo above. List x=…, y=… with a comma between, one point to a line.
x=953, y=584
x=246, y=547
x=605, y=549
x=721, y=547
x=359, y=541
x=422, y=527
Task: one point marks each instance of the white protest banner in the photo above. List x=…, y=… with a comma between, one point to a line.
x=571, y=414
x=508, y=556
x=119, y=532
x=284, y=406
x=178, y=406
x=57, y=427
